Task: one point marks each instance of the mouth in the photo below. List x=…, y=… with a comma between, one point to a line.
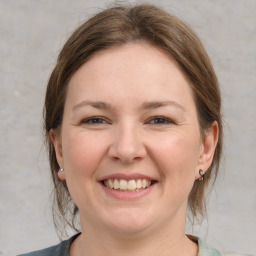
x=132, y=185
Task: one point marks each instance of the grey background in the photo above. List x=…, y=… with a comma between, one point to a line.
x=32, y=33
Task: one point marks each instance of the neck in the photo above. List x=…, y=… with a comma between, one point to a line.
x=148, y=243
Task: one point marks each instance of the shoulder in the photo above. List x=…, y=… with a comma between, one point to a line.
x=44, y=252
x=61, y=249
x=205, y=250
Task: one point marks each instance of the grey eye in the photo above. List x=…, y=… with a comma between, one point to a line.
x=94, y=120
x=160, y=120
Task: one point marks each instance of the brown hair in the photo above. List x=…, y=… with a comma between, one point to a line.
x=117, y=26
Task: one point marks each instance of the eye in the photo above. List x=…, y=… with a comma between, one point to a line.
x=94, y=120
x=159, y=120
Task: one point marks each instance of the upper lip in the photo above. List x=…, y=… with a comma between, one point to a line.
x=134, y=176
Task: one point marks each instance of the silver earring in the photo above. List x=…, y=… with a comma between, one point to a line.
x=60, y=170
x=202, y=173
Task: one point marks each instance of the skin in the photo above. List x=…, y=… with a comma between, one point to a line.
x=162, y=141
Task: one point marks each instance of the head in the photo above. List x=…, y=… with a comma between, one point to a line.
x=117, y=27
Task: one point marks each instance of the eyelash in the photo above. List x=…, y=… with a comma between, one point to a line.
x=153, y=120
x=91, y=120
x=164, y=120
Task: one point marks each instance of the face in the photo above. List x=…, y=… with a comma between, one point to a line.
x=130, y=142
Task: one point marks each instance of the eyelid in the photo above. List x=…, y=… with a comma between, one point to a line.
x=166, y=119
x=103, y=120
x=87, y=120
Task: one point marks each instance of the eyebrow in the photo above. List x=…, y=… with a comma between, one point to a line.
x=145, y=106
x=159, y=104
x=94, y=104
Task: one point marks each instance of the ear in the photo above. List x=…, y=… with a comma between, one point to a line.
x=56, y=140
x=207, y=149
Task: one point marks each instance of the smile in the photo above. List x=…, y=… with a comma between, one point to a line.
x=127, y=185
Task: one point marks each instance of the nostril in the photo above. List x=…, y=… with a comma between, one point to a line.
x=127, y=148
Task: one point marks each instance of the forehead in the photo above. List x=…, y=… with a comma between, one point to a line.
x=132, y=70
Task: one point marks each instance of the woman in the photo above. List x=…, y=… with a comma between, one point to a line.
x=133, y=125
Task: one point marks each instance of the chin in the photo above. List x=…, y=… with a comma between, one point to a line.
x=128, y=223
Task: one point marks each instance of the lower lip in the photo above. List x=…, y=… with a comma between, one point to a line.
x=122, y=195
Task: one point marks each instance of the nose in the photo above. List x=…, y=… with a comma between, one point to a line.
x=127, y=145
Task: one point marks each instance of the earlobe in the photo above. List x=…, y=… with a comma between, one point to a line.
x=208, y=149
x=56, y=140
x=61, y=174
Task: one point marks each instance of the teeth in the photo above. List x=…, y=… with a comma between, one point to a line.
x=131, y=185
x=116, y=184
x=110, y=184
x=144, y=183
x=123, y=184
x=139, y=184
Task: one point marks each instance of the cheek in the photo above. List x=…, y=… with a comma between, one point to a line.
x=176, y=157
x=82, y=154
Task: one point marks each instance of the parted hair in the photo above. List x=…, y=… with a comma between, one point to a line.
x=116, y=26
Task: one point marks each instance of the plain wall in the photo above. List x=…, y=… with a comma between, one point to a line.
x=32, y=33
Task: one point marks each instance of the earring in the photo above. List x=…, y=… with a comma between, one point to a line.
x=60, y=171
x=202, y=173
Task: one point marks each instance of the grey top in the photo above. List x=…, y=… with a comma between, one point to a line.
x=62, y=249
